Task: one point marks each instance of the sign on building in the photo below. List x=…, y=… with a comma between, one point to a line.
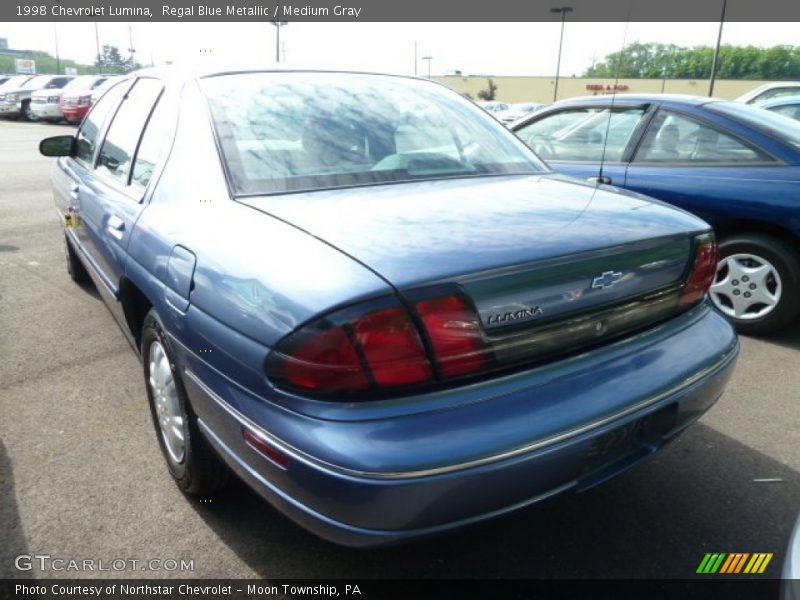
x=25, y=66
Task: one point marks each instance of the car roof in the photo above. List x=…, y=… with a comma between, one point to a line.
x=633, y=98
x=192, y=71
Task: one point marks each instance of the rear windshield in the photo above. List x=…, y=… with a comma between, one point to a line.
x=81, y=83
x=283, y=132
x=772, y=124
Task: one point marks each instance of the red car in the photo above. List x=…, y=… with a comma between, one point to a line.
x=77, y=103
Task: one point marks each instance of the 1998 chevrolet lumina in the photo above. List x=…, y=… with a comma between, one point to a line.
x=375, y=305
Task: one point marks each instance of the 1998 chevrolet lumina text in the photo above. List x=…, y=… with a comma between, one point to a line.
x=375, y=305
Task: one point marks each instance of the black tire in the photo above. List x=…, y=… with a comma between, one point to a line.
x=785, y=261
x=199, y=472
x=27, y=113
x=77, y=272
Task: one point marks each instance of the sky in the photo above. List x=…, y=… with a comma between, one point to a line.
x=472, y=48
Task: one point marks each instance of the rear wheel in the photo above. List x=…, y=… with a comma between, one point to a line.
x=757, y=283
x=77, y=272
x=27, y=112
x=191, y=461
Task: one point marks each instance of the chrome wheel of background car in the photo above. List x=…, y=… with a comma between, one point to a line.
x=166, y=402
x=746, y=286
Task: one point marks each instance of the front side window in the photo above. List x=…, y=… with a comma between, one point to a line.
x=119, y=146
x=583, y=134
x=89, y=133
x=673, y=138
x=284, y=132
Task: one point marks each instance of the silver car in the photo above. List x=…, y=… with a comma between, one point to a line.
x=16, y=101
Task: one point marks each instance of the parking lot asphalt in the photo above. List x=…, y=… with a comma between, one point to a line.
x=81, y=476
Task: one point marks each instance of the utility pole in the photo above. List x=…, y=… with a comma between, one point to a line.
x=97, y=43
x=131, y=49
x=415, y=58
x=715, y=62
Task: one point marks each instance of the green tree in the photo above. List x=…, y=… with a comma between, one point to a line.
x=677, y=62
x=111, y=61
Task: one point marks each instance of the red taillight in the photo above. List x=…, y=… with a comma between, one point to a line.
x=352, y=351
x=367, y=350
x=703, y=271
x=326, y=361
x=392, y=348
x=455, y=336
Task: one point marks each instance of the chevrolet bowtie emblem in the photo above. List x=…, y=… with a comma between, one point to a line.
x=606, y=280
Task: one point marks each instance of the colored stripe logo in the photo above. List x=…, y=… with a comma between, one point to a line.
x=734, y=563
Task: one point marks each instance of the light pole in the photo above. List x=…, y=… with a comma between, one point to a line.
x=278, y=25
x=715, y=62
x=429, y=59
x=415, y=58
x=58, y=56
x=563, y=10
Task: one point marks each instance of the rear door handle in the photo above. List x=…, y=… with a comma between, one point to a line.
x=115, y=226
x=604, y=179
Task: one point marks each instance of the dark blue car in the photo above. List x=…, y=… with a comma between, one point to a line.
x=373, y=303
x=734, y=165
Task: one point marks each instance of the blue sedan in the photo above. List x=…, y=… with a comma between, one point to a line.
x=375, y=305
x=734, y=165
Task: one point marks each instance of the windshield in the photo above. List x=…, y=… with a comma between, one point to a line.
x=15, y=82
x=773, y=124
x=36, y=82
x=282, y=132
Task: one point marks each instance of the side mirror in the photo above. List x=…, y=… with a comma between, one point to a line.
x=59, y=145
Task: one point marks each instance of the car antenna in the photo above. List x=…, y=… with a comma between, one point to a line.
x=600, y=176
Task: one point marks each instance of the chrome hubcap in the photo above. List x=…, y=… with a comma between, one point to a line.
x=165, y=399
x=746, y=287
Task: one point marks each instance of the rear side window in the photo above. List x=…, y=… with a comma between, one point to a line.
x=788, y=110
x=119, y=147
x=155, y=135
x=673, y=138
x=89, y=134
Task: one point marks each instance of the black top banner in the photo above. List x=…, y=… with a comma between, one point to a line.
x=401, y=10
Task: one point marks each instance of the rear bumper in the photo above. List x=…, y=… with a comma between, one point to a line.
x=353, y=501
x=47, y=111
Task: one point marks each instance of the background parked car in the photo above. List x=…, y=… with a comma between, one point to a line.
x=14, y=82
x=493, y=107
x=788, y=106
x=75, y=103
x=517, y=111
x=768, y=91
x=16, y=102
x=365, y=356
x=736, y=166
x=46, y=103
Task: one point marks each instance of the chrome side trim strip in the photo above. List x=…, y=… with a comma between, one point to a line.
x=530, y=447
